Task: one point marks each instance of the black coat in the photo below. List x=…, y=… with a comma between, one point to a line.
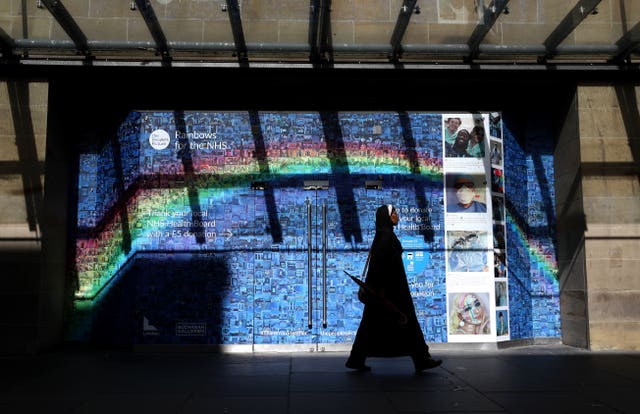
x=380, y=334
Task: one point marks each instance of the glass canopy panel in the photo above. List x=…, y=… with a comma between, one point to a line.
x=629, y=12
x=281, y=23
x=109, y=21
x=454, y=22
x=363, y=29
x=112, y=28
x=421, y=24
x=359, y=29
x=613, y=20
x=602, y=27
x=441, y=28
x=36, y=23
x=40, y=28
x=522, y=29
x=530, y=22
x=194, y=21
x=195, y=27
x=10, y=18
x=23, y=20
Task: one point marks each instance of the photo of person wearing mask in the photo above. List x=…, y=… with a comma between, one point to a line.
x=462, y=196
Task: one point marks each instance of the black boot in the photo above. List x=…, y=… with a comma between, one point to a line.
x=426, y=363
x=357, y=364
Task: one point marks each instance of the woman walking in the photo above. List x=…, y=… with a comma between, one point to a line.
x=381, y=333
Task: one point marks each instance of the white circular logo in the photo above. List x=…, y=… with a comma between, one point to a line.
x=159, y=139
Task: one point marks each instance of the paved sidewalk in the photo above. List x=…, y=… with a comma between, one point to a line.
x=531, y=379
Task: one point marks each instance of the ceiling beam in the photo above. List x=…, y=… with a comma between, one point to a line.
x=324, y=31
x=7, y=44
x=150, y=18
x=402, y=22
x=628, y=43
x=238, y=33
x=320, y=31
x=68, y=24
x=139, y=49
x=314, y=18
x=579, y=12
x=488, y=18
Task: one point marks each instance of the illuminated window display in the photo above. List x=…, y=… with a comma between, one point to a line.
x=235, y=227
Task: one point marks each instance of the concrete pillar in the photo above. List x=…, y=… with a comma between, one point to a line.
x=570, y=229
x=23, y=288
x=609, y=129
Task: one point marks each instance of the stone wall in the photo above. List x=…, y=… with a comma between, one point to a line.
x=609, y=125
x=23, y=128
x=570, y=229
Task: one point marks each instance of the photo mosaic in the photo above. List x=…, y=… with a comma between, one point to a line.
x=237, y=227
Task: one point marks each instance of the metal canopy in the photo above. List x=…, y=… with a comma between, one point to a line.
x=60, y=13
x=319, y=32
x=628, y=43
x=6, y=43
x=314, y=18
x=324, y=35
x=238, y=34
x=224, y=32
x=489, y=17
x=150, y=18
x=579, y=12
x=406, y=11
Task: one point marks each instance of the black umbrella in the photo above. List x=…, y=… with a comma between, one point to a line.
x=375, y=297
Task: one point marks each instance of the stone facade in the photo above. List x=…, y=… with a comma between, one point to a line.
x=599, y=219
x=609, y=151
x=23, y=130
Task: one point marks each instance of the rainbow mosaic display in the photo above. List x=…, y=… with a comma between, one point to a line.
x=530, y=228
x=201, y=235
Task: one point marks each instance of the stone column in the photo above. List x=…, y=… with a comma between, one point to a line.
x=609, y=141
